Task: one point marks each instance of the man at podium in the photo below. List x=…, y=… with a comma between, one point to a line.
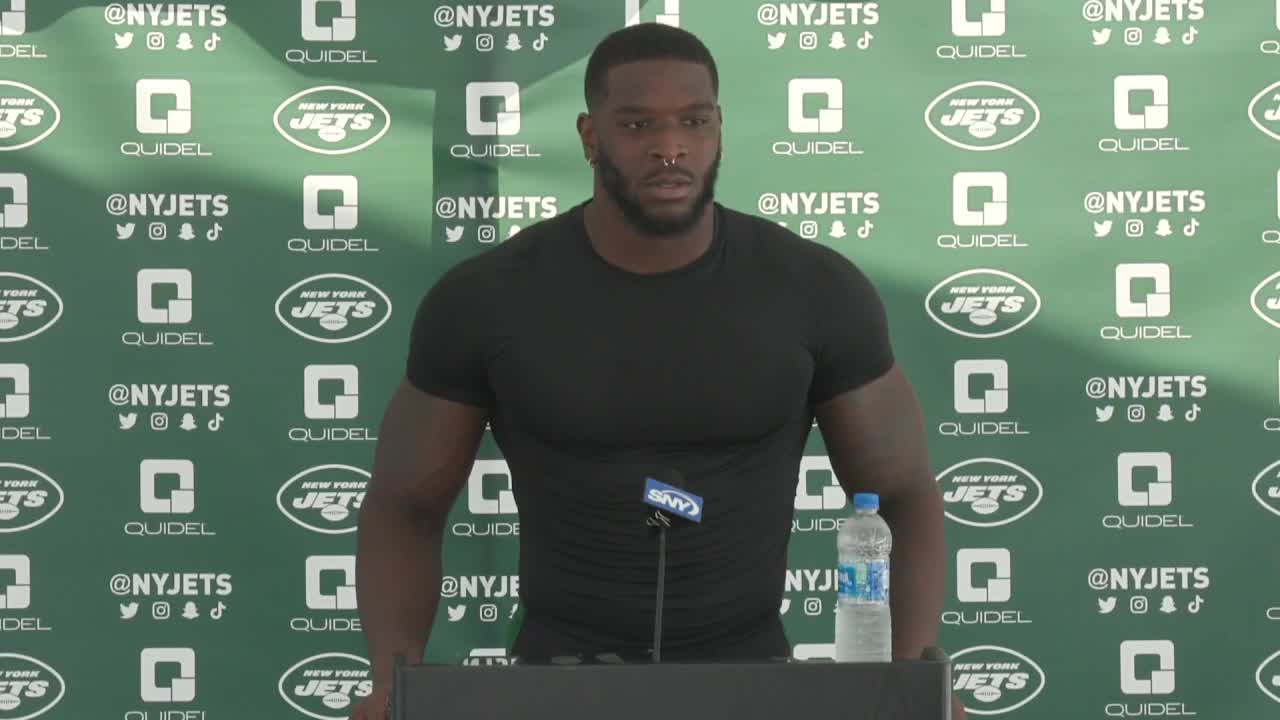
x=648, y=331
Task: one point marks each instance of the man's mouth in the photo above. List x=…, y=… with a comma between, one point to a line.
x=669, y=181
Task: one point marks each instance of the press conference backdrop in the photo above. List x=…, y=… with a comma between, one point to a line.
x=216, y=222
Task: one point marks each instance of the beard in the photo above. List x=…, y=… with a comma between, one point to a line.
x=634, y=210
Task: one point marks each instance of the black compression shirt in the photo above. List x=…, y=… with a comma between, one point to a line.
x=596, y=377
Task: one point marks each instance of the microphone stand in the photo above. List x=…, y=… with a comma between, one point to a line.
x=662, y=522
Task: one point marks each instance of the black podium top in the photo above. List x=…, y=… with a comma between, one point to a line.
x=899, y=690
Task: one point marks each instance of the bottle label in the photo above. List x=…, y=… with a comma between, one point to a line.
x=864, y=581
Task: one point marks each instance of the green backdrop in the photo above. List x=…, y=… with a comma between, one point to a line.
x=216, y=221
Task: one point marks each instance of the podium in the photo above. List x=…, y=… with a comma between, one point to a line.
x=898, y=690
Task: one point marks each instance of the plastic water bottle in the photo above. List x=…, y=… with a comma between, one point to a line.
x=863, y=628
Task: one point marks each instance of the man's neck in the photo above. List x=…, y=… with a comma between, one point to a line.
x=621, y=244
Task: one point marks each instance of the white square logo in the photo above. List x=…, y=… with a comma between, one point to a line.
x=988, y=24
x=14, y=20
x=1156, y=304
x=345, y=405
x=344, y=596
x=998, y=588
x=176, y=121
x=345, y=213
x=506, y=121
x=16, y=404
x=13, y=214
x=177, y=310
x=181, y=688
x=179, y=501
x=995, y=400
x=830, y=119
x=670, y=14
x=1161, y=681
x=1154, y=116
x=15, y=596
x=994, y=212
x=1158, y=493
x=832, y=495
x=477, y=503
x=342, y=29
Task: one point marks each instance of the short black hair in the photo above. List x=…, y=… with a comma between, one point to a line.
x=644, y=41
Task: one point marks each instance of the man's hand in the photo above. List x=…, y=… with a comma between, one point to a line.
x=373, y=707
x=957, y=708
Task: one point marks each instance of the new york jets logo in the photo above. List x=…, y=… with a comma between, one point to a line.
x=332, y=120
x=333, y=308
x=324, y=499
x=1268, y=676
x=993, y=680
x=326, y=686
x=27, y=115
x=28, y=307
x=987, y=492
x=1264, y=111
x=982, y=115
x=982, y=303
x=1266, y=487
x=28, y=497
x=1266, y=300
x=29, y=688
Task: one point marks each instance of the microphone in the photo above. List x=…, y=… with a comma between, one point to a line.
x=671, y=506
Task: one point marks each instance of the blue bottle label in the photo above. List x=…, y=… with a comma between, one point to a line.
x=864, y=581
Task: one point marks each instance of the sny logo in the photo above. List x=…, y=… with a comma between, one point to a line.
x=665, y=497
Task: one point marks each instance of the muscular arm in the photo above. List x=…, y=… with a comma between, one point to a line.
x=875, y=438
x=426, y=447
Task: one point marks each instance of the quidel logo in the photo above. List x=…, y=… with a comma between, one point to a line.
x=27, y=115
x=992, y=680
x=28, y=497
x=982, y=303
x=326, y=686
x=28, y=307
x=37, y=689
x=987, y=492
x=1266, y=487
x=1266, y=300
x=332, y=120
x=982, y=115
x=325, y=498
x=333, y=308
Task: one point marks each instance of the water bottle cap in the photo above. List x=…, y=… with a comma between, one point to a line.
x=866, y=501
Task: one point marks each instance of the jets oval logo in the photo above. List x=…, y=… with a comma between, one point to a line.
x=38, y=688
x=1264, y=111
x=327, y=686
x=27, y=115
x=982, y=303
x=333, y=308
x=28, y=498
x=982, y=115
x=988, y=492
x=332, y=120
x=1266, y=300
x=993, y=680
x=1268, y=676
x=1266, y=487
x=324, y=499
x=28, y=307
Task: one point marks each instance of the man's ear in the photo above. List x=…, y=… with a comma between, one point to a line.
x=587, y=134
